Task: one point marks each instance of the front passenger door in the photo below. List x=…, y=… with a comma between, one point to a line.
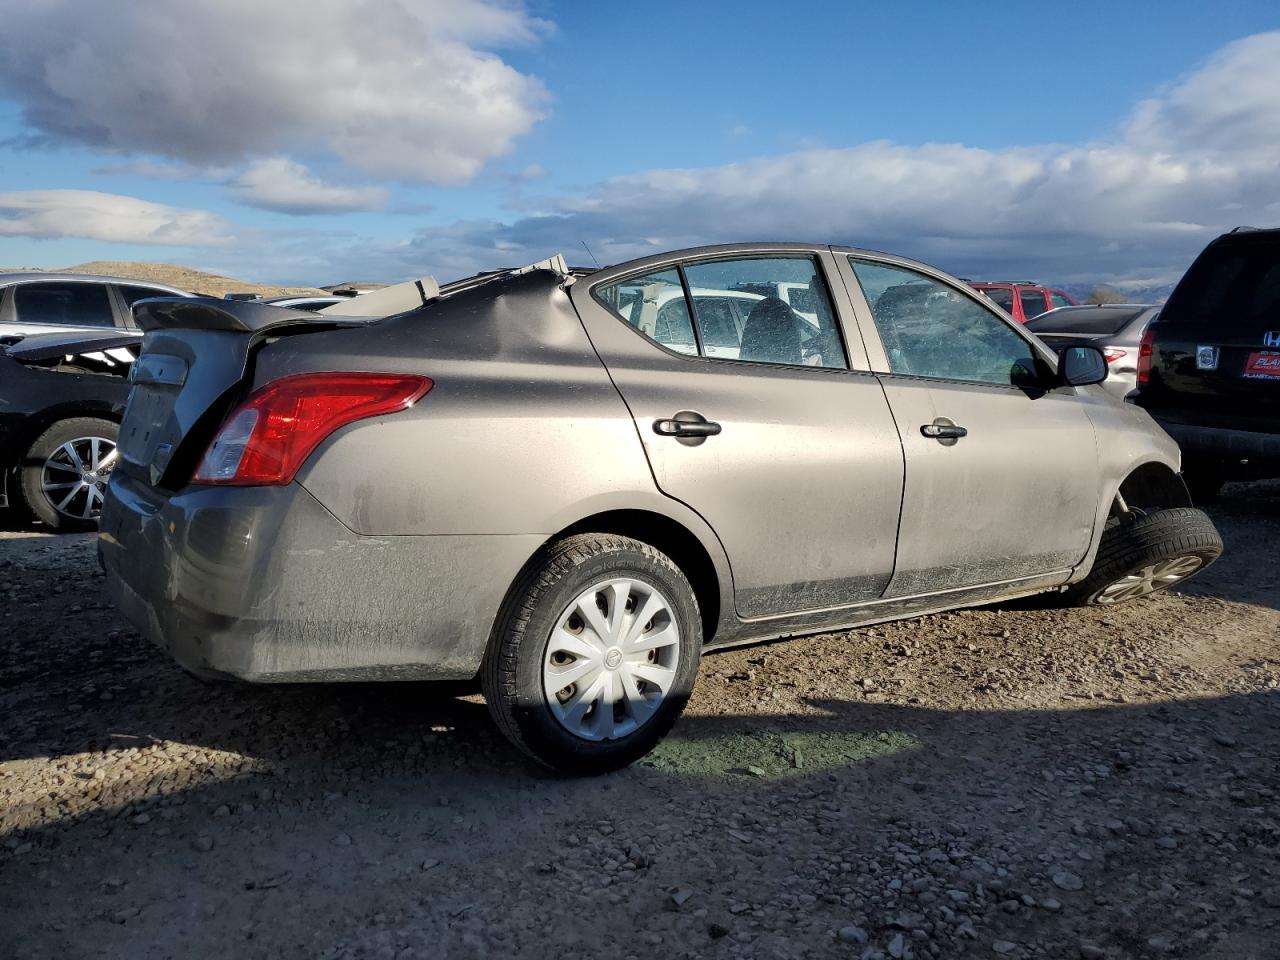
x=1001, y=467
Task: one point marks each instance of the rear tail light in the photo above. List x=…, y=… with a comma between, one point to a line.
x=1145, y=349
x=1113, y=354
x=268, y=437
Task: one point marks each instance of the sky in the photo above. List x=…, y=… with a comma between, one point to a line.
x=317, y=141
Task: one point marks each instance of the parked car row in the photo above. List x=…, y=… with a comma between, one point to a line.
x=569, y=483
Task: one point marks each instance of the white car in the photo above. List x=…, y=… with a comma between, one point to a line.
x=35, y=303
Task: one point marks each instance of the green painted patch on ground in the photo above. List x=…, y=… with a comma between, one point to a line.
x=773, y=756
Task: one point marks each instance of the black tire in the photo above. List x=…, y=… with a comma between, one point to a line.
x=30, y=487
x=1141, y=540
x=511, y=675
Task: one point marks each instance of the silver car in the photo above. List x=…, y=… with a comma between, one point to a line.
x=564, y=484
x=1114, y=328
x=37, y=303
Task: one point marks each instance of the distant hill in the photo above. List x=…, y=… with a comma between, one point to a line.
x=184, y=278
x=1133, y=293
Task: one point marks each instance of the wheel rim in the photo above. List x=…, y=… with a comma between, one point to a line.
x=611, y=659
x=1152, y=577
x=74, y=476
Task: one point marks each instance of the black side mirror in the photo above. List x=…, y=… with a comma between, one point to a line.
x=1081, y=366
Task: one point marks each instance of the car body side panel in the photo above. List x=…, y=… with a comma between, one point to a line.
x=1128, y=438
x=521, y=431
x=34, y=398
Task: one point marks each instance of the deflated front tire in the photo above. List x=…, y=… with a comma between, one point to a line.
x=1145, y=553
x=594, y=655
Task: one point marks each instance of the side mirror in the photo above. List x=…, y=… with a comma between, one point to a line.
x=1081, y=366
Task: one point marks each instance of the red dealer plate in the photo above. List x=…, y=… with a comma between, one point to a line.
x=1263, y=366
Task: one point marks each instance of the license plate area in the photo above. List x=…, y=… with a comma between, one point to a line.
x=1262, y=365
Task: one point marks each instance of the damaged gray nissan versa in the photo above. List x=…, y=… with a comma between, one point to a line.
x=570, y=484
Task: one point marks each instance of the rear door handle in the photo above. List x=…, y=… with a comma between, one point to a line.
x=687, y=425
x=944, y=430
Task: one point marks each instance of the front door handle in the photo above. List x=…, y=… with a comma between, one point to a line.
x=687, y=426
x=943, y=429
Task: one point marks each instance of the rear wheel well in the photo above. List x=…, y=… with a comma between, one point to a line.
x=673, y=539
x=1152, y=486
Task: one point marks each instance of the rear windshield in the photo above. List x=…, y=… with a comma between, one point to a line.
x=1231, y=286
x=1098, y=321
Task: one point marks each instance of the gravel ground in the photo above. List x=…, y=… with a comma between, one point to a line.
x=1017, y=782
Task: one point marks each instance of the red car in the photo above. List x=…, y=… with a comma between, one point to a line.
x=1022, y=299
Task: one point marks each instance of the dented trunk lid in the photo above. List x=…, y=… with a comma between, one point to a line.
x=196, y=363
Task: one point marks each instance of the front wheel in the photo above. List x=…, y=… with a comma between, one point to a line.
x=594, y=655
x=1146, y=553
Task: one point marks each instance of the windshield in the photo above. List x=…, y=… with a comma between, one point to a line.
x=1085, y=320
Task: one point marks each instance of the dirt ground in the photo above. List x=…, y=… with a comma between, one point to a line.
x=1018, y=782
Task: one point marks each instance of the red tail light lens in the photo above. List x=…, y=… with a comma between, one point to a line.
x=1113, y=354
x=1145, y=349
x=268, y=437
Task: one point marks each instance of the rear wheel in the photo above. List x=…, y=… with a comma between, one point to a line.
x=1148, y=552
x=595, y=654
x=64, y=473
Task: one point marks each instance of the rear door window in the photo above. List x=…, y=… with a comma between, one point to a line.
x=742, y=310
x=72, y=304
x=768, y=289
x=1059, y=299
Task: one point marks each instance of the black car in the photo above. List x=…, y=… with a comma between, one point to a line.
x=61, y=400
x=1209, y=368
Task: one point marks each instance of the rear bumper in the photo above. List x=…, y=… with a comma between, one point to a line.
x=1240, y=453
x=266, y=585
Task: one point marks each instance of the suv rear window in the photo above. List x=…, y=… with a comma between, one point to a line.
x=1233, y=286
x=1101, y=320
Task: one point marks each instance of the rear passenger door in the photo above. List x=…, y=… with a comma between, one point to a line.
x=780, y=438
x=1002, y=478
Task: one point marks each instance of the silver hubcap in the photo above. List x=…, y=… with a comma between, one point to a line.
x=611, y=659
x=75, y=475
x=1149, y=579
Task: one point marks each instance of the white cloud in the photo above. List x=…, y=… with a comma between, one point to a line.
x=110, y=217
x=402, y=90
x=1193, y=162
x=278, y=183
x=158, y=170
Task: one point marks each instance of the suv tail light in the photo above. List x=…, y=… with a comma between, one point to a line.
x=1145, y=349
x=267, y=438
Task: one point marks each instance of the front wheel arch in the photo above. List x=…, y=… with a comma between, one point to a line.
x=1151, y=486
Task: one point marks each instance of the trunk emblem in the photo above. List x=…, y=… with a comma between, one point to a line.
x=1206, y=358
x=1271, y=338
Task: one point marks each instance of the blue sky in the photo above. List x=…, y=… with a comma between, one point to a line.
x=310, y=142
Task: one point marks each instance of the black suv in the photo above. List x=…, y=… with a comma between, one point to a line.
x=1209, y=369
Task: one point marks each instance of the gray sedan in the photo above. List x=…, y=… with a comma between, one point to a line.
x=1114, y=328
x=571, y=484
